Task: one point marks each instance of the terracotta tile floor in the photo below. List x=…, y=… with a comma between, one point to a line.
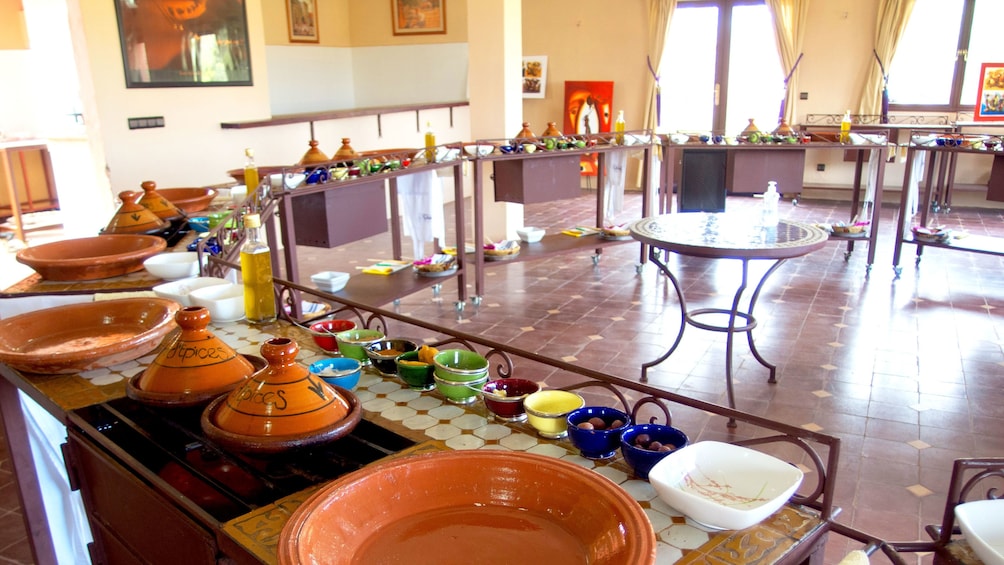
x=906, y=371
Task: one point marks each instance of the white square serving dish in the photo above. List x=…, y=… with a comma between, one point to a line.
x=724, y=486
x=330, y=281
x=982, y=522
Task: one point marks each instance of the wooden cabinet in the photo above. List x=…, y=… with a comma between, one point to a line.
x=748, y=172
x=341, y=215
x=529, y=181
x=132, y=522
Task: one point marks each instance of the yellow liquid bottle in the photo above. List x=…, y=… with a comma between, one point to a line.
x=845, y=128
x=430, y=144
x=256, y=274
x=619, y=127
x=251, y=179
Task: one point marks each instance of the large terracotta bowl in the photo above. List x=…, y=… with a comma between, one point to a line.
x=485, y=507
x=189, y=200
x=91, y=258
x=80, y=337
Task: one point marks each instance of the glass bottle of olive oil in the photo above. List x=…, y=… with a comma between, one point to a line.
x=251, y=178
x=256, y=273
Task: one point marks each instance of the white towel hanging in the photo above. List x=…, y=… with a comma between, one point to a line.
x=421, y=198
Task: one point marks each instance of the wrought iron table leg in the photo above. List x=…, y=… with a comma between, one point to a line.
x=653, y=254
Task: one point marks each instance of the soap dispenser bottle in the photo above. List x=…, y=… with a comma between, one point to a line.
x=769, y=214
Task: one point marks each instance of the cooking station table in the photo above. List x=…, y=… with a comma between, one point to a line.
x=724, y=236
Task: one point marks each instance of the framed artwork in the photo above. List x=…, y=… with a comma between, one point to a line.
x=990, y=99
x=588, y=108
x=534, y=76
x=417, y=17
x=190, y=43
x=302, y=18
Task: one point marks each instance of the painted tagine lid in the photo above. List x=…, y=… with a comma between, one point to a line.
x=154, y=202
x=193, y=366
x=133, y=217
x=281, y=407
x=552, y=130
x=346, y=150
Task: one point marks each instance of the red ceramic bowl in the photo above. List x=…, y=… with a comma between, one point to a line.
x=504, y=397
x=324, y=332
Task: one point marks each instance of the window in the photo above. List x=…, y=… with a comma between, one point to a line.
x=937, y=62
x=720, y=68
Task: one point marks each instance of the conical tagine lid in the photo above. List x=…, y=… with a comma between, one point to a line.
x=193, y=366
x=154, y=202
x=133, y=217
x=282, y=406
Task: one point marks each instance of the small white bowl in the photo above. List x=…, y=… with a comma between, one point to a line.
x=180, y=290
x=173, y=265
x=722, y=485
x=531, y=234
x=330, y=281
x=478, y=150
x=980, y=521
x=225, y=302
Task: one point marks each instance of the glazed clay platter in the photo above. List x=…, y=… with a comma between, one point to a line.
x=485, y=507
x=80, y=337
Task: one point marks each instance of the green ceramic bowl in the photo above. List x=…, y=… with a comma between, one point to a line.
x=417, y=376
x=352, y=343
x=464, y=392
x=460, y=365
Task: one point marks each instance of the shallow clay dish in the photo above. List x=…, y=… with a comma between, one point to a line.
x=91, y=258
x=484, y=507
x=80, y=337
x=189, y=200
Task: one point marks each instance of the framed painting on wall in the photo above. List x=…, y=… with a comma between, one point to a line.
x=534, y=76
x=588, y=110
x=184, y=44
x=302, y=18
x=990, y=99
x=417, y=17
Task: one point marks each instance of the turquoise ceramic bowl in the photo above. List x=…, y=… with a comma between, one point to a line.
x=460, y=365
x=339, y=371
x=353, y=343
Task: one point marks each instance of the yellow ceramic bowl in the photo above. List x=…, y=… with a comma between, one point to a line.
x=546, y=411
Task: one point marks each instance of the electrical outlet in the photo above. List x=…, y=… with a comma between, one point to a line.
x=144, y=123
x=803, y=95
x=821, y=167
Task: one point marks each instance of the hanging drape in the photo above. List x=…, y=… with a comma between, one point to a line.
x=659, y=14
x=789, y=29
x=893, y=16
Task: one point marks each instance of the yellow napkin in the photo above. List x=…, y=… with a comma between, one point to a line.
x=375, y=270
x=388, y=267
x=579, y=231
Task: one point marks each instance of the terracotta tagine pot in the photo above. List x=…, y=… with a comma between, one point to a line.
x=313, y=155
x=552, y=130
x=156, y=203
x=281, y=407
x=525, y=133
x=133, y=217
x=783, y=128
x=345, y=151
x=193, y=366
x=750, y=128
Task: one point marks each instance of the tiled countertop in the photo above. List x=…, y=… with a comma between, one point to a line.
x=436, y=424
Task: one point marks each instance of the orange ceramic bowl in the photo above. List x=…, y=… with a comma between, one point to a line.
x=80, y=337
x=488, y=507
x=189, y=200
x=91, y=258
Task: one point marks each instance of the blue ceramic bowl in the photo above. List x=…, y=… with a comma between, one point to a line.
x=642, y=460
x=339, y=371
x=597, y=443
